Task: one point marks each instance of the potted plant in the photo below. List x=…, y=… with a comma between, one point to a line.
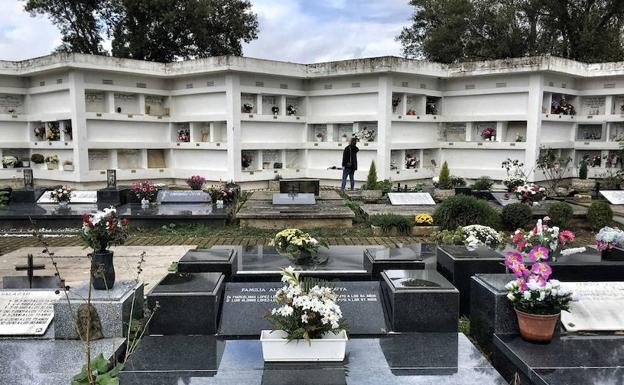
x=275, y=110
x=184, y=135
x=68, y=165
x=488, y=134
x=297, y=245
x=9, y=161
x=516, y=175
x=52, y=162
x=62, y=196
x=246, y=160
x=371, y=192
x=274, y=185
x=101, y=230
x=37, y=159
x=423, y=225
x=302, y=332
x=482, y=186
x=291, y=110
x=610, y=241
x=145, y=191
x=582, y=185
x=530, y=194
x=196, y=182
x=537, y=299
x=319, y=136
x=443, y=187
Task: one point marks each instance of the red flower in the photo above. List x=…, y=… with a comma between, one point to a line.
x=85, y=217
x=124, y=221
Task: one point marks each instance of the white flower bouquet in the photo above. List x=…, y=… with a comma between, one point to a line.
x=478, y=235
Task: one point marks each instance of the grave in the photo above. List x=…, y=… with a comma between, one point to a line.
x=408, y=211
x=26, y=312
x=77, y=197
x=111, y=195
x=290, y=186
x=31, y=281
x=458, y=264
x=408, y=199
x=405, y=258
x=293, y=199
x=599, y=308
x=183, y=196
x=504, y=198
x=188, y=303
x=213, y=260
x=409, y=292
x=615, y=197
x=260, y=211
x=360, y=302
x=114, y=308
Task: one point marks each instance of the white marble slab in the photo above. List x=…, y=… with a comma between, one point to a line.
x=26, y=313
x=294, y=199
x=600, y=308
x=615, y=197
x=77, y=197
x=413, y=199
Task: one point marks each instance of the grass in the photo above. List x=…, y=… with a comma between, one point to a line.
x=464, y=325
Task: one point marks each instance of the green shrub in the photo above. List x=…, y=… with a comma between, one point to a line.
x=384, y=185
x=464, y=210
x=4, y=198
x=37, y=158
x=356, y=207
x=483, y=183
x=599, y=215
x=583, y=169
x=389, y=221
x=560, y=214
x=444, y=181
x=516, y=216
x=449, y=237
x=371, y=180
x=457, y=181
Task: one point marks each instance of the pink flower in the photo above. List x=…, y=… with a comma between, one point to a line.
x=521, y=245
x=512, y=258
x=517, y=237
x=538, y=253
x=565, y=236
x=543, y=270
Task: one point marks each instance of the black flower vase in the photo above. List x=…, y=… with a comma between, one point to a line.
x=103, y=270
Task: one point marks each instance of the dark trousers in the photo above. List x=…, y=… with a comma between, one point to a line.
x=347, y=172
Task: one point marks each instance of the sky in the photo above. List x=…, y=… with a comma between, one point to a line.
x=302, y=31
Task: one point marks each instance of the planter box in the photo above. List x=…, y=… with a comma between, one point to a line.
x=275, y=347
x=424, y=230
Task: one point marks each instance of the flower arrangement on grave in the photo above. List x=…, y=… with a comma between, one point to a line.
x=196, y=182
x=395, y=103
x=319, y=136
x=530, y=194
x=222, y=192
x=67, y=130
x=595, y=161
x=99, y=231
x=9, y=161
x=411, y=111
x=488, y=133
x=609, y=238
x=275, y=110
x=247, y=108
x=291, y=110
x=516, y=176
x=478, y=235
x=411, y=161
x=544, y=239
x=145, y=191
x=184, y=135
x=393, y=165
x=296, y=244
x=423, y=220
x=54, y=133
x=52, y=162
x=61, y=195
x=431, y=108
x=307, y=309
x=519, y=138
x=39, y=132
x=246, y=160
x=562, y=107
x=366, y=134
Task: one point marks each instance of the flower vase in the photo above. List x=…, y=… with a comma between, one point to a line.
x=103, y=270
x=145, y=203
x=537, y=327
x=63, y=205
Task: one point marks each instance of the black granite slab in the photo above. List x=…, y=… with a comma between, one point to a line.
x=409, y=257
x=110, y=196
x=420, y=301
x=458, y=264
x=38, y=282
x=565, y=360
x=415, y=359
x=245, y=304
x=186, y=303
x=216, y=260
x=26, y=195
x=311, y=186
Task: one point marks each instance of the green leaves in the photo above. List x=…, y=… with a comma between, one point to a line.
x=100, y=372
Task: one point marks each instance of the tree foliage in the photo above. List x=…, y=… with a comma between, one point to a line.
x=458, y=30
x=154, y=30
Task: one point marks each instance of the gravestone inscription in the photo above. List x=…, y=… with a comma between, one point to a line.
x=599, y=307
x=615, y=197
x=360, y=303
x=399, y=199
x=183, y=196
x=26, y=312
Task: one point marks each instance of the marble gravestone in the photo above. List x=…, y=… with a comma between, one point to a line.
x=26, y=312
x=294, y=199
x=77, y=197
x=361, y=305
x=183, y=196
x=598, y=309
x=505, y=198
x=417, y=199
x=615, y=197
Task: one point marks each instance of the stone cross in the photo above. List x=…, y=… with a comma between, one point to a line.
x=30, y=268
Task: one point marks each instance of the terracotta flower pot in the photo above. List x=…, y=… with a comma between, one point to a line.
x=537, y=327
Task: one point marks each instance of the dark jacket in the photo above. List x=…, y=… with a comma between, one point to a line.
x=349, y=155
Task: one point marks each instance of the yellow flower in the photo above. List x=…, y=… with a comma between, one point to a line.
x=424, y=219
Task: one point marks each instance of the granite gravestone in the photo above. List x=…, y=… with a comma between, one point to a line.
x=505, y=198
x=29, y=180
x=294, y=199
x=615, y=197
x=183, y=196
x=291, y=186
x=360, y=303
x=415, y=199
x=598, y=309
x=400, y=258
x=76, y=197
x=26, y=312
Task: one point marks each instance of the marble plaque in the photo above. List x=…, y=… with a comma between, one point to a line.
x=615, y=197
x=361, y=305
x=598, y=309
x=183, y=196
x=294, y=199
x=26, y=313
x=77, y=197
x=417, y=199
x=504, y=198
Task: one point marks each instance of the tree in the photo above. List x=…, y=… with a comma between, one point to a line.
x=458, y=30
x=155, y=30
x=371, y=179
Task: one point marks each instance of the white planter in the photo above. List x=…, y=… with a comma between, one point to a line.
x=276, y=348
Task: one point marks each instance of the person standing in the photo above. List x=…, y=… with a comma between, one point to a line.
x=349, y=163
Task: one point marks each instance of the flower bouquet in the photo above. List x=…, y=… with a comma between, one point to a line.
x=275, y=110
x=609, y=241
x=222, y=192
x=291, y=110
x=246, y=160
x=145, y=191
x=411, y=162
x=9, y=161
x=478, y=235
x=307, y=311
x=367, y=134
x=100, y=230
x=296, y=244
x=423, y=220
x=184, y=135
x=196, y=182
x=319, y=136
x=530, y=194
x=247, y=108
x=423, y=225
x=39, y=132
x=54, y=133
x=543, y=240
x=61, y=195
x=488, y=133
